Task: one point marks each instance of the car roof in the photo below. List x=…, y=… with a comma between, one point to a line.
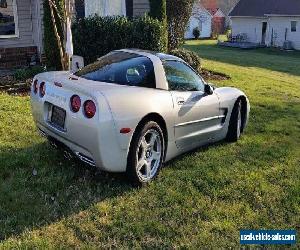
x=161, y=56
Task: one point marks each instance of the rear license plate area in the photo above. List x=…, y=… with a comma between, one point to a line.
x=58, y=117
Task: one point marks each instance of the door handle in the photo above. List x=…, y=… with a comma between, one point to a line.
x=180, y=101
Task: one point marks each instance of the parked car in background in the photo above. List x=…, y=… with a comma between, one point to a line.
x=133, y=110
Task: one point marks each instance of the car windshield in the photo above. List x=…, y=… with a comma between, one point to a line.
x=121, y=68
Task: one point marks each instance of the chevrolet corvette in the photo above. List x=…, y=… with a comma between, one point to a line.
x=133, y=110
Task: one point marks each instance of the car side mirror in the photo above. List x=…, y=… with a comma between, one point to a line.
x=208, y=89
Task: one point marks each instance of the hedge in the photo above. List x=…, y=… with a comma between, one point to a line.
x=190, y=57
x=96, y=36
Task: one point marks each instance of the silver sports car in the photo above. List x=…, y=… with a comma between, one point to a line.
x=133, y=110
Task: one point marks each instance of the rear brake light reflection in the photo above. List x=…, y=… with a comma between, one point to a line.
x=35, y=86
x=75, y=103
x=89, y=109
x=42, y=89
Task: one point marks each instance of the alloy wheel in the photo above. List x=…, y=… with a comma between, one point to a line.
x=148, y=155
x=239, y=123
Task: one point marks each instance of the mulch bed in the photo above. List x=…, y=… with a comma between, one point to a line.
x=209, y=75
x=12, y=86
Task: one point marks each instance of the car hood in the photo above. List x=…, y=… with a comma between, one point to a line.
x=229, y=91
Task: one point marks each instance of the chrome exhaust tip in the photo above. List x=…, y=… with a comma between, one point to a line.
x=85, y=159
x=53, y=144
x=68, y=155
x=42, y=133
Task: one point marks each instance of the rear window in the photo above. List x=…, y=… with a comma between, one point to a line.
x=121, y=68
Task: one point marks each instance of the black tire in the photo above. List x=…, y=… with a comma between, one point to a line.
x=137, y=151
x=235, y=123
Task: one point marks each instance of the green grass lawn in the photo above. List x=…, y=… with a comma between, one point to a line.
x=201, y=199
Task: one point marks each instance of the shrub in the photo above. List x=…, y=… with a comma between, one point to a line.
x=196, y=33
x=50, y=43
x=96, y=36
x=228, y=32
x=26, y=73
x=214, y=35
x=188, y=56
x=178, y=15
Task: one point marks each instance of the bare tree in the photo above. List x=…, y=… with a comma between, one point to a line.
x=64, y=48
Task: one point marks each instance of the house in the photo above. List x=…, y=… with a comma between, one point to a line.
x=200, y=18
x=208, y=18
x=20, y=31
x=218, y=20
x=267, y=22
x=21, y=25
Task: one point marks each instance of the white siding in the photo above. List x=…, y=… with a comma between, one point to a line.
x=37, y=24
x=251, y=26
x=25, y=27
x=93, y=7
x=105, y=8
x=279, y=26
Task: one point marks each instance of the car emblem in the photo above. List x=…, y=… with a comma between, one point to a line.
x=57, y=98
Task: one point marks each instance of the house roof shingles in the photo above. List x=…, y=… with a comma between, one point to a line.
x=260, y=8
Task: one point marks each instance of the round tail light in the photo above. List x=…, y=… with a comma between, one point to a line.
x=42, y=89
x=35, y=86
x=89, y=109
x=75, y=103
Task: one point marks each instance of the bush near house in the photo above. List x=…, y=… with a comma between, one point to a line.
x=96, y=36
x=27, y=73
x=188, y=56
x=196, y=33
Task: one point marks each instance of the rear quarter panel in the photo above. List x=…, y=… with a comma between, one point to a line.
x=129, y=105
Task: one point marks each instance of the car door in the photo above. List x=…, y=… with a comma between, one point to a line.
x=197, y=114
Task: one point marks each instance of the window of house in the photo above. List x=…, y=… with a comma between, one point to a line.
x=8, y=19
x=293, y=26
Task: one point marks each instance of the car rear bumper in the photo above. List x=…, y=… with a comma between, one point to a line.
x=95, y=156
x=69, y=149
x=93, y=141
